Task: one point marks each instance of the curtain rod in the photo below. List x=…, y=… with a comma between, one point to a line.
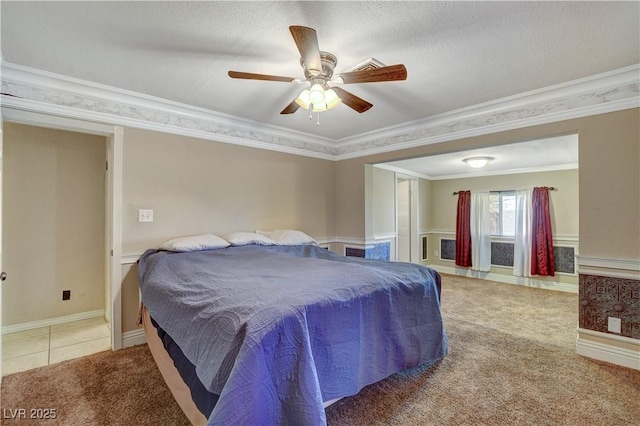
x=551, y=188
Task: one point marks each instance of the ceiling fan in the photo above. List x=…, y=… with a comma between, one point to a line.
x=318, y=67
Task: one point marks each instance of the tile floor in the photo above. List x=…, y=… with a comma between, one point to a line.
x=38, y=347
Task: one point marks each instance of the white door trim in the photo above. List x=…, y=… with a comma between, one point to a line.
x=414, y=240
x=115, y=213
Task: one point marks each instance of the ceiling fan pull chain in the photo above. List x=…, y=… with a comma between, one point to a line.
x=318, y=122
x=310, y=111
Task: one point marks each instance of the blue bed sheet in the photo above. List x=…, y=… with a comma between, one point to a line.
x=277, y=330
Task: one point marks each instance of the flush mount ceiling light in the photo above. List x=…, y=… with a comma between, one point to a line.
x=477, y=162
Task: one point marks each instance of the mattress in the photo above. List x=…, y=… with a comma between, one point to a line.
x=176, y=384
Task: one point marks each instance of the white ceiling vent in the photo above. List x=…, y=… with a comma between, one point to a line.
x=369, y=64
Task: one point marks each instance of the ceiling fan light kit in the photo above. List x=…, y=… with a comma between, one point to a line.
x=318, y=69
x=319, y=100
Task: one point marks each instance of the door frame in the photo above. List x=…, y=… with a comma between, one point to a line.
x=414, y=255
x=113, y=214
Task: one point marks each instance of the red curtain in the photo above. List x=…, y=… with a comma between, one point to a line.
x=542, y=262
x=463, y=229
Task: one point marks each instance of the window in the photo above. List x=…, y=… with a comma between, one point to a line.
x=503, y=213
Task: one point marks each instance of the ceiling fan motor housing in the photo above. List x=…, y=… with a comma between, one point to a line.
x=328, y=61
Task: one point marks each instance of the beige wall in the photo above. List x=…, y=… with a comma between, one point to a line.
x=53, y=223
x=564, y=201
x=350, y=198
x=384, y=202
x=609, y=149
x=196, y=186
x=425, y=206
x=130, y=297
x=609, y=179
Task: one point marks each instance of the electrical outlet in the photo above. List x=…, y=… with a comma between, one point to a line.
x=615, y=325
x=66, y=294
x=145, y=215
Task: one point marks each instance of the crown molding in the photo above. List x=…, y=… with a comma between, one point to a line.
x=598, y=94
x=45, y=92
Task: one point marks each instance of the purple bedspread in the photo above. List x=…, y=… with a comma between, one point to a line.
x=277, y=330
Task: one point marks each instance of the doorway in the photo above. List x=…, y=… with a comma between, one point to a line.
x=111, y=214
x=54, y=243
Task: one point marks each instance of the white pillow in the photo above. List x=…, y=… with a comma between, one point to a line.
x=244, y=238
x=288, y=237
x=195, y=242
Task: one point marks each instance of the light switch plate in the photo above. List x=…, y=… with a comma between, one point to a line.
x=615, y=325
x=145, y=215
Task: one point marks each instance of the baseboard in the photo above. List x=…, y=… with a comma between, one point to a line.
x=508, y=279
x=608, y=352
x=52, y=321
x=133, y=338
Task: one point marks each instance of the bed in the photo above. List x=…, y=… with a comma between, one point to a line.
x=271, y=334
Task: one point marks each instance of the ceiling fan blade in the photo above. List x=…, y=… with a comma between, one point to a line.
x=291, y=108
x=390, y=73
x=352, y=101
x=251, y=76
x=307, y=41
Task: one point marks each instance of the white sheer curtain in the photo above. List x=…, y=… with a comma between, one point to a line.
x=522, y=247
x=480, y=232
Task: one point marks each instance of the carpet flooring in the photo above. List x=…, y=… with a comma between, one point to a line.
x=511, y=361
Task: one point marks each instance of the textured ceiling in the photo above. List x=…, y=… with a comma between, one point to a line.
x=457, y=53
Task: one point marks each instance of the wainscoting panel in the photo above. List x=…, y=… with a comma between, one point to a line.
x=565, y=258
x=447, y=249
x=502, y=255
x=424, y=247
x=354, y=252
x=603, y=297
x=380, y=251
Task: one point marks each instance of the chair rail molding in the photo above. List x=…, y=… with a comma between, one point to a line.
x=609, y=267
